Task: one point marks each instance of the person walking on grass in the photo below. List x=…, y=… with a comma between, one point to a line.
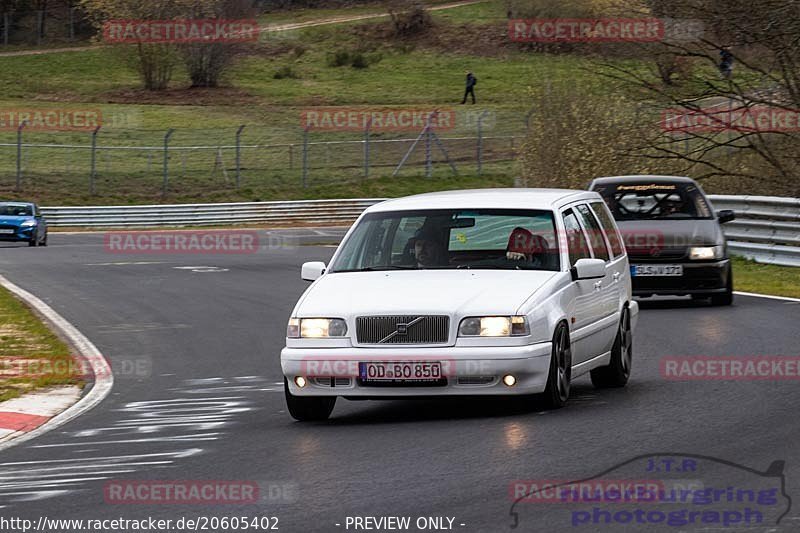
x=726, y=62
x=471, y=81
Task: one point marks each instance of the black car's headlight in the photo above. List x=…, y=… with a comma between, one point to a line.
x=316, y=328
x=705, y=253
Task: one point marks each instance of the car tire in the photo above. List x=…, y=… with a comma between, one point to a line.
x=308, y=409
x=44, y=241
x=618, y=371
x=34, y=242
x=556, y=393
x=725, y=298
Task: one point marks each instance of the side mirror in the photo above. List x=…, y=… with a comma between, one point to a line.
x=588, y=269
x=725, y=215
x=312, y=271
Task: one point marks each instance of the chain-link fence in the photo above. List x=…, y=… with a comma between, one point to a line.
x=196, y=160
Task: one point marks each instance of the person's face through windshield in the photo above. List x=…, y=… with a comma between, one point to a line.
x=427, y=252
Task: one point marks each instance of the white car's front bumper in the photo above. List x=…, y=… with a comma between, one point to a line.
x=468, y=370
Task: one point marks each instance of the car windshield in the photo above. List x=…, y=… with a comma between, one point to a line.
x=451, y=239
x=647, y=201
x=11, y=210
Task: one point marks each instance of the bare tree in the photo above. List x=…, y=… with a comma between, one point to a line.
x=765, y=45
x=206, y=62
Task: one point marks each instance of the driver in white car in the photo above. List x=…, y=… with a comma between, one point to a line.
x=429, y=250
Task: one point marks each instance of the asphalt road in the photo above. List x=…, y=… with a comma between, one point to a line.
x=198, y=396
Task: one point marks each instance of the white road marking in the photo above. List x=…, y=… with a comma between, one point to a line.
x=127, y=263
x=181, y=420
x=45, y=403
x=203, y=269
x=104, y=377
x=176, y=438
x=769, y=296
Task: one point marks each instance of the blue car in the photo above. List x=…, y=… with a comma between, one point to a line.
x=22, y=222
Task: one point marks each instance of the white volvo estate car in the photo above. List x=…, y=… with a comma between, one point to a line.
x=480, y=292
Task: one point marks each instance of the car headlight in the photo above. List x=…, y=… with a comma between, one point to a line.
x=316, y=328
x=494, y=326
x=28, y=223
x=705, y=253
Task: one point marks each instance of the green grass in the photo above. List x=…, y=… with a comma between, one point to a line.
x=749, y=276
x=406, y=75
x=409, y=73
x=24, y=337
x=480, y=13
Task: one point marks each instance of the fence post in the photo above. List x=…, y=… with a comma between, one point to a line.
x=305, y=156
x=428, y=155
x=479, y=153
x=93, y=172
x=730, y=129
x=71, y=22
x=366, y=148
x=6, y=21
x=19, y=154
x=166, y=162
x=239, y=155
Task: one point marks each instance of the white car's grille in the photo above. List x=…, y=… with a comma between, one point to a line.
x=403, y=329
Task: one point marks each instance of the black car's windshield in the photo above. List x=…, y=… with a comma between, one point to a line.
x=451, y=239
x=648, y=200
x=11, y=210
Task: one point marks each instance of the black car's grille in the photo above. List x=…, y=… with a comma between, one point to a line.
x=403, y=329
x=656, y=254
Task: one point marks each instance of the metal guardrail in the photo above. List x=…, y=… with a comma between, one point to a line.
x=317, y=212
x=767, y=228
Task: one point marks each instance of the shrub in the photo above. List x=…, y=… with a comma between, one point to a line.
x=409, y=17
x=574, y=136
x=357, y=60
x=339, y=58
x=286, y=71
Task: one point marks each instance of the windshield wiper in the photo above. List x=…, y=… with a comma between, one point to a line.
x=491, y=267
x=378, y=268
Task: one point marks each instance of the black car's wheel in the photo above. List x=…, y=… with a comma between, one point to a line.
x=556, y=393
x=308, y=409
x=725, y=298
x=618, y=371
x=44, y=241
x=34, y=240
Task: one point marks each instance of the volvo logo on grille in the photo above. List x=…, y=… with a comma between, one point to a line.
x=401, y=329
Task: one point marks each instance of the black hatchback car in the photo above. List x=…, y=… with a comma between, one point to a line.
x=673, y=237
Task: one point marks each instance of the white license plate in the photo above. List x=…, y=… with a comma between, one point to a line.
x=7, y=232
x=656, y=270
x=406, y=371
